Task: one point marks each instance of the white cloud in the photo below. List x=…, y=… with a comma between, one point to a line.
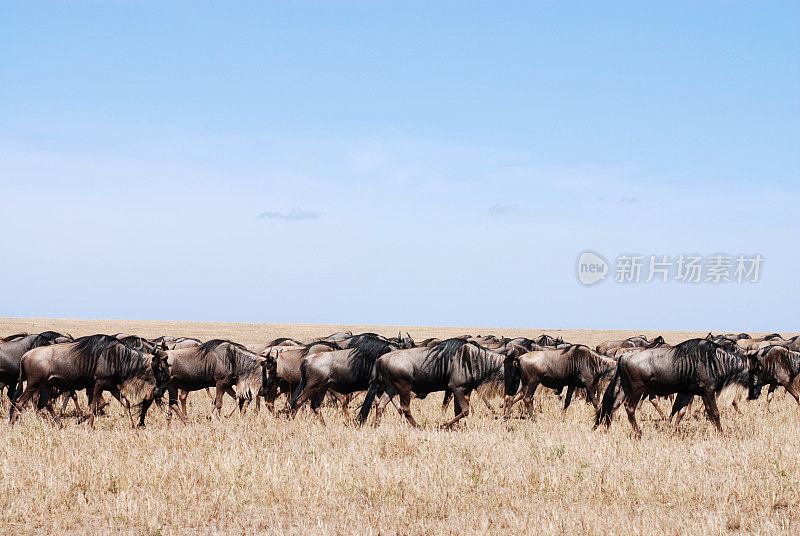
x=296, y=213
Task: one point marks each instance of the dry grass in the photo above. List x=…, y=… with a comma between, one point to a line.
x=263, y=474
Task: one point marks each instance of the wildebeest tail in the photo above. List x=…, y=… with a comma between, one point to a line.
x=609, y=399
x=367, y=405
x=300, y=386
x=18, y=390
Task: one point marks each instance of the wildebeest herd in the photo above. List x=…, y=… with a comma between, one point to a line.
x=41, y=368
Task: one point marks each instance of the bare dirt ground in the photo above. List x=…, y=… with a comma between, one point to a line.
x=259, y=474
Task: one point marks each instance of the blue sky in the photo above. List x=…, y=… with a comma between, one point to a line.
x=399, y=163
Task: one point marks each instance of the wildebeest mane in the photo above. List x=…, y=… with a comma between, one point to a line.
x=212, y=345
x=371, y=348
x=528, y=344
x=655, y=343
x=14, y=337
x=443, y=355
x=242, y=359
x=703, y=349
x=93, y=345
x=773, y=336
x=307, y=348
x=137, y=343
x=280, y=340
x=91, y=349
x=694, y=353
x=571, y=347
x=356, y=340
x=45, y=338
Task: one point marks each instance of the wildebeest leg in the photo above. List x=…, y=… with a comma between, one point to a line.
x=529, y=390
x=652, y=399
x=488, y=404
x=125, y=404
x=65, y=402
x=173, y=405
x=72, y=395
x=462, y=398
x=385, y=399
x=304, y=395
x=631, y=402
x=792, y=391
x=448, y=396
x=405, y=406
x=508, y=401
x=290, y=387
x=679, y=408
x=591, y=394
x=343, y=400
x=240, y=401
x=770, y=395
x=220, y=394
x=272, y=394
x=96, y=398
x=244, y=403
x=182, y=396
x=568, y=398
x=316, y=403
x=30, y=390
x=44, y=405
x=145, y=406
x=712, y=411
x=511, y=400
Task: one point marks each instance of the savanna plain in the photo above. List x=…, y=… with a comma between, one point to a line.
x=261, y=473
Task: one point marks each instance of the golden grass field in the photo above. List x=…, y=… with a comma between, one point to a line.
x=260, y=474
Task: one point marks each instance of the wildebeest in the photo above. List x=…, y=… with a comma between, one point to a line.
x=639, y=341
x=495, y=386
x=575, y=366
x=761, y=342
x=132, y=341
x=223, y=364
x=174, y=343
x=694, y=367
x=341, y=371
x=283, y=368
x=338, y=336
x=97, y=363
x=13, y=347
x=547, y=340
x=261, y=347
x=456, y=364
x=780, y=366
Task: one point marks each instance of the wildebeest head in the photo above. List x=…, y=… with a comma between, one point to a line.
x=269, y=370
x=405, y=342
x=755, y=379
x=512, y=375
x=160, y=369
